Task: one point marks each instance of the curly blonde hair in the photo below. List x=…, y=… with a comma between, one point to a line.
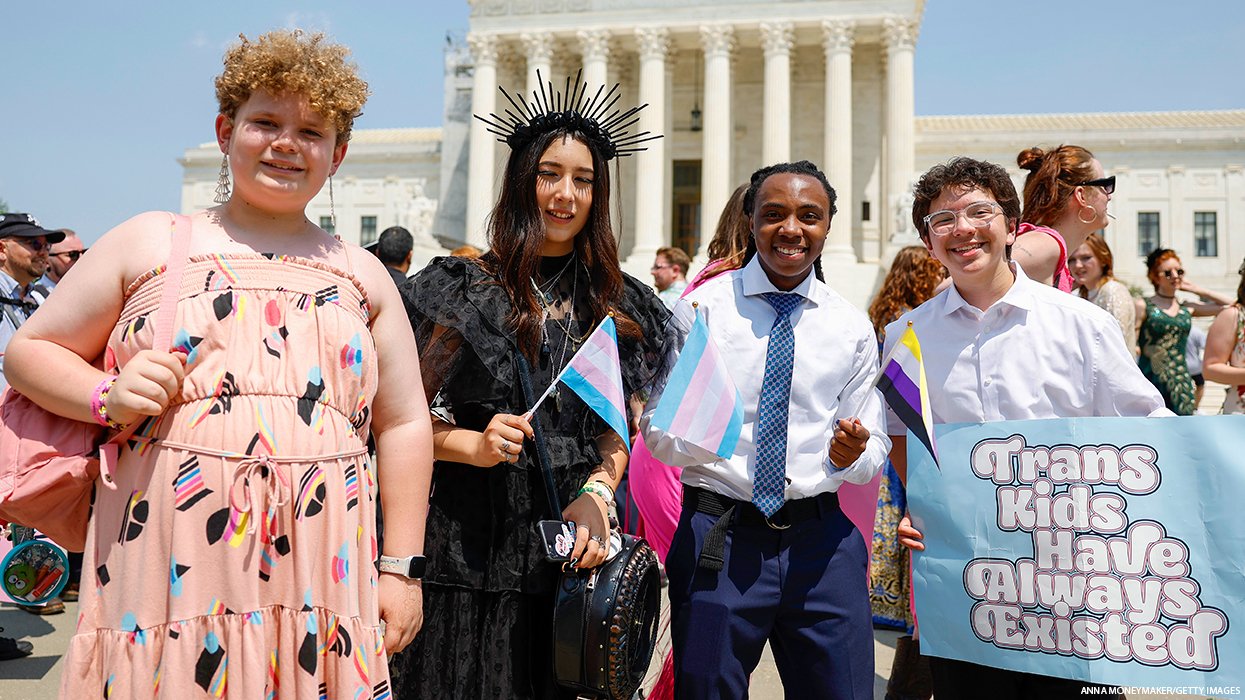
x=288, y=61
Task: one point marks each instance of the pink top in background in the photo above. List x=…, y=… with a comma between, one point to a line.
x=1063, y=276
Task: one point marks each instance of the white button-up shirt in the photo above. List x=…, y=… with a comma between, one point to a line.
x=832, y=377
x=1036, y=353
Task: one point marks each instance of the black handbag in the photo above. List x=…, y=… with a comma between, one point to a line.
x=604, y=619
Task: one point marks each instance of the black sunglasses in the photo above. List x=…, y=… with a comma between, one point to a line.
x=34, y=244
x=73, y=254
x=1106, y=183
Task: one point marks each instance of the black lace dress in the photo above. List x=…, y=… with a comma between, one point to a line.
x=488, y=591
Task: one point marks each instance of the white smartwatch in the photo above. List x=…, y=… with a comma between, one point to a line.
x=411, y=567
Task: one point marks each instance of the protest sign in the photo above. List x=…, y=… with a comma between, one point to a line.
x=1103, y=549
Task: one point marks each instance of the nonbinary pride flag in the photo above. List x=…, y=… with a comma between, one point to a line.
x=902, y=382
x=700, y=403
x=595, y=374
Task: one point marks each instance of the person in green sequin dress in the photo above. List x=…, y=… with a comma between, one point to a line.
x=1163, y=323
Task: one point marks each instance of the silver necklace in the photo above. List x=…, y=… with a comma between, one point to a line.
x=546, y=316
x=543, y=290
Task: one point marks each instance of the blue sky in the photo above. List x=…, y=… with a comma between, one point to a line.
x=100, y=99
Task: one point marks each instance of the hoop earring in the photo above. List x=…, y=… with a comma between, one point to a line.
x=332, y=207
x=222, y=181
x=1092, y=217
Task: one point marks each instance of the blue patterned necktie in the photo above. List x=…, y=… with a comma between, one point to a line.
x=770, y=479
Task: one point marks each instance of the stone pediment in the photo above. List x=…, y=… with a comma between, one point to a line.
x=1113, y=121
x=705, y=9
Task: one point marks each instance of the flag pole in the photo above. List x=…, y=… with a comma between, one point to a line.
x=554, y=383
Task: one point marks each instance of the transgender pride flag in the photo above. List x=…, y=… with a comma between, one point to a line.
x=700, y=403
x=596, y=375
x=902, y=382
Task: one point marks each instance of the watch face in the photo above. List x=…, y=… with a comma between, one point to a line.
x=410, y=567
x=418, y=565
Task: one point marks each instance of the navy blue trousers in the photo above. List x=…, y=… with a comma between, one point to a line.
x=803, y=589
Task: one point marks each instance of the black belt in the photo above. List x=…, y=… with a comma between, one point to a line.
x=731, y=511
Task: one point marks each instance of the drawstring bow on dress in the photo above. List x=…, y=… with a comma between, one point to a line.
x=264, y=488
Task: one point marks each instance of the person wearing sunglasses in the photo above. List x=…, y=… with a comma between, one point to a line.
x=1065, y=197
x=62, y=256
x=1163, y=323
x=24, y=248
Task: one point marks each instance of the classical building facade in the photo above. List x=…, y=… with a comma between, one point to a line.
x=760, y=82
x=825, y=80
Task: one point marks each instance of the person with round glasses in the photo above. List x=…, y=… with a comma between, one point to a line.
x=1163, y=323
x=1002, y=347
x=1065, y=197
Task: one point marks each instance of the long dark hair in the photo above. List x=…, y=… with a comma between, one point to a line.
x=517, y=236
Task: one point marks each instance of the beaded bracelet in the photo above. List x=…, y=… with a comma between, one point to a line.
x=99, y=407
x=600, y=489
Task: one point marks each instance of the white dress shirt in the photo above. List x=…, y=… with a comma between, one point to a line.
x=832, y=378
x=1036, y=353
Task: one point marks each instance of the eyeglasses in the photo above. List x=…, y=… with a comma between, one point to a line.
x=1178, y=272
x=71, y=254
x=658, y=267
x=977, y=214
x=1106, y=183
x=35, y=244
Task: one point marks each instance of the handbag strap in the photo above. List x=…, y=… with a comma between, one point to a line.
x=538, y=434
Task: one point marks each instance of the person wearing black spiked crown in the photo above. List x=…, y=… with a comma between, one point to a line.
x=486, y=327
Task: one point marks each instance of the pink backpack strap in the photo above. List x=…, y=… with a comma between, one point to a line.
x=179, y=252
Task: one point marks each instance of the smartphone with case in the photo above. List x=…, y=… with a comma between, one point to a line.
x=559, y=539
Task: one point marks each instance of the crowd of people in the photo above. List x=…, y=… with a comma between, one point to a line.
x=334, y=488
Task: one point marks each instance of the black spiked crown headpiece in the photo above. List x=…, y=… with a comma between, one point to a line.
x=572, y=110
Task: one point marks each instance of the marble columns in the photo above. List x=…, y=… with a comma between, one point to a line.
x=777, y=39
x=480, y=164
x=900, y=35
x=650, y=187
x=716, y=181
x=838, y=37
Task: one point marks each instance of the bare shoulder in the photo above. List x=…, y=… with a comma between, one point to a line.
x=374, y=277
x=136, y=245
x=1037, y=247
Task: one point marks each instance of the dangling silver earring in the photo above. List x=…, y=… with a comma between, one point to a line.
x=222, y=181
x=332, y=208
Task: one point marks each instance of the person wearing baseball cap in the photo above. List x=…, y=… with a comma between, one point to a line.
x=24, y=246
x=26, y=226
